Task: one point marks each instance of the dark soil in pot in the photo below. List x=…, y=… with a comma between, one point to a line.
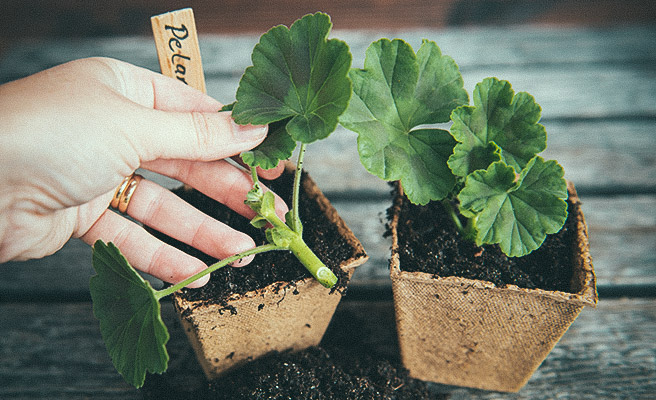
x=267, y=268
x=429, y=242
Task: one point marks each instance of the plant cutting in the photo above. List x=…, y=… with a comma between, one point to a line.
x=299, y=85
x=486, y=177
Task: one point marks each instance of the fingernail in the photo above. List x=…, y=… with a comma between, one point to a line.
x=247, y=133
x=243, y=261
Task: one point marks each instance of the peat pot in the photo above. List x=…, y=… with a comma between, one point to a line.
x=471, y=333
x=267, y=319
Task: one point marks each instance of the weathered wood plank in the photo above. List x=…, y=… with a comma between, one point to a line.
x=608, y=353
x=622, y=240
x=565, y=90
x=55, y=351
x=599, y=154
x=228, y=55
x=605, y=154
x=572, y=73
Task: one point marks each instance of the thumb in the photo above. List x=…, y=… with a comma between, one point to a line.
x=168, y=119
x=202, y=136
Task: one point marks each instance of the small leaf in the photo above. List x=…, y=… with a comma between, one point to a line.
x=263, y=203
x=281, y=237
x=254, y=197
x=296, y=226
x=297, y=74
x=395, y=93
x=129, y=314
x=277, y=146
x=259, y=222
x=501, y=125
x=228, y=107
x=517, y=213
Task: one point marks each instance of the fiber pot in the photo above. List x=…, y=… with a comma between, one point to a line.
x=274, y=318
x=471, y=333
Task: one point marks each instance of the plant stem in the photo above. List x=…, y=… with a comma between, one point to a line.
x=313, y=264
x=254, y=177
x=468, y=231
x=301, y=250
x=220, y=264
x=296, y=221
x=454, y=216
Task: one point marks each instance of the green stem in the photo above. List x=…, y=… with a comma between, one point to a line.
x=256, y=179
x=467, y=231
x=301, y=250
x=470, y=230
x=274, y=219
x=454, y=216
x=172, y=289
x=296, y=221
x=313, y=264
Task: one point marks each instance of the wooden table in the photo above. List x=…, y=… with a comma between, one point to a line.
x=597, y=88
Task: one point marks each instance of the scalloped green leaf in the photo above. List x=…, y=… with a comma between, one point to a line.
x=500, y=126
x=297, y=74
x=396, y=93
x=515, y=212
x=129, y=314
x=277, y=146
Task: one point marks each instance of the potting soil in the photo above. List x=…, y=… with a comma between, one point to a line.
x=429, y=242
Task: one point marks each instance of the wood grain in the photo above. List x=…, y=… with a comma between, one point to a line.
x=54, y=351
x=176, y=41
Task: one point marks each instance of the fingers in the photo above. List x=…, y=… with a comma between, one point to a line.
x=160, y=209
x=272, y=173
x=191, y=136
x=143, y=251
x=173, y=120
x=219, y=180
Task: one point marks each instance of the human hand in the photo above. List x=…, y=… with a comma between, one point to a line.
x=71, y=134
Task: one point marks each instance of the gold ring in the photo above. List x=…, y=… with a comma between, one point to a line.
x=124, y=192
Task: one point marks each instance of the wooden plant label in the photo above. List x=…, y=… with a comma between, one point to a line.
x=177, y=47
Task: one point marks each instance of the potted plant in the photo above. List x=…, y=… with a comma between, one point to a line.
x=283, y=315
x=299, y=85
x=483, y=182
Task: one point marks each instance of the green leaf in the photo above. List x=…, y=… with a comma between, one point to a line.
x=227, y=107
x=516, y=212
x=129, y=314
x=501, y=126
x=297, y=74
x=296, y=226
x=263, y=203
x=259, y=221
x=254, y=197
x=282, y=237
x=395, y=93
x=277, y=146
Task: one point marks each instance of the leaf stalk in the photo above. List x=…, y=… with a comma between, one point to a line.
x=159, y=294
x=296, y=221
